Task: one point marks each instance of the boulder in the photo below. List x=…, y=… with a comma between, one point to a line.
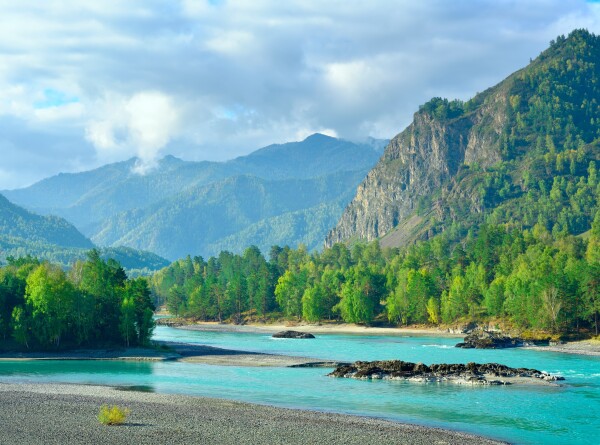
x=292, y=334
x=482, y=339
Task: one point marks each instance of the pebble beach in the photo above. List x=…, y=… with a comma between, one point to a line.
x=66, y=414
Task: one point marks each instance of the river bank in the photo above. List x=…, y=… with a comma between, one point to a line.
x=330, y=328
x=580, y=347
x=59, y=414
x=173, y=351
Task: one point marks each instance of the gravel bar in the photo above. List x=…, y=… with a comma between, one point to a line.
x=66, y=414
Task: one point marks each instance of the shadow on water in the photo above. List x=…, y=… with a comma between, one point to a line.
x=46, y=368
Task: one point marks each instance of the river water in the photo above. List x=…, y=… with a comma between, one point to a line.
x=568, y=414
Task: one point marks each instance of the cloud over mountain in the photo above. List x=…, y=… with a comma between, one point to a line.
x=84, y=83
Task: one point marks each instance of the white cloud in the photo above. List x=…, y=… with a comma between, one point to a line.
x=73, y=110
x=153, y=120
x=231, y=43
x=140, y=125
x=221, y=78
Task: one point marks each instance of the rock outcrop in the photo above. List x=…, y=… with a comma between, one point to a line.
x=418, y=163
x=292, y=334
x=470, y=373
x=441, y=169
x=482, y=339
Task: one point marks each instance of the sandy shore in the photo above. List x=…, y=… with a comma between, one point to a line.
x=582, y=347
x=333, y=328
x=211, y=355
x=134, y=354
x=184, y=352
x=66, y=414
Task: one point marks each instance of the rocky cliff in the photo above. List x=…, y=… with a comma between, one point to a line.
x=445, y=165
x=422, y=159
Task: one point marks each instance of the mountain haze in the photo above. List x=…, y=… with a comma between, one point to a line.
x=53, y=238
x=183, y=208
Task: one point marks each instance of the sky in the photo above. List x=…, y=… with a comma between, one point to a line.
x=85, y=83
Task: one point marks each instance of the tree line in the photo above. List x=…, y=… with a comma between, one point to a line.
x=93, y=304
x=532, y=279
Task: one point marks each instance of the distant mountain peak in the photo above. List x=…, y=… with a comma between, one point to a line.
x=185, y=207
x=170, y=159
x=318, y=137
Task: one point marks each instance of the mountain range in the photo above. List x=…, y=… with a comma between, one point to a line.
x=281, y=194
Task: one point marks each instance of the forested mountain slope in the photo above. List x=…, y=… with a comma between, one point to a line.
x=518, y=153
x=16, y=222
x=200, y=218
x=52, y=238
x=493, y=204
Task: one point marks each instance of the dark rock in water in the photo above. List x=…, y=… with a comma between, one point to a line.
x=471, y=373
x=320, y=365
x=292, y=334
x=482, y=339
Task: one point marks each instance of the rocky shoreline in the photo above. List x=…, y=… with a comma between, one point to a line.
x=483, y=339
x=470, y=373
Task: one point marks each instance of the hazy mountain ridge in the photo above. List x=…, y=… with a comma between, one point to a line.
x=54, y=239
x=203, y=215
x=493, y=158
x=113, y=205
x=16, y=222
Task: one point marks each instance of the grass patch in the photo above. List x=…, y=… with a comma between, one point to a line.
x=112, y=415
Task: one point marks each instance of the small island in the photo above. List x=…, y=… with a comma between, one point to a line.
x=462, y=374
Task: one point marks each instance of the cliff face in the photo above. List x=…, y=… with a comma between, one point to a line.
x=459, y=164
x=421, y=160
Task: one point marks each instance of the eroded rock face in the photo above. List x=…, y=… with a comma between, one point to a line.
x=470, y=373
x=292, y=334
x=417, y=162
x=421, y=160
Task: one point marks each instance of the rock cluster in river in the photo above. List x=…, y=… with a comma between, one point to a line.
x=482, y=339
x=292, y=334
x=470, y=373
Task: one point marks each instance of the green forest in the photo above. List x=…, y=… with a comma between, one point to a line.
x=528, y=279
x=94, y=304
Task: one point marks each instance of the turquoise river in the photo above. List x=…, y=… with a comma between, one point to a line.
x=567, y=414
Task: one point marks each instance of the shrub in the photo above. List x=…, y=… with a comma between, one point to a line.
x=112, y=415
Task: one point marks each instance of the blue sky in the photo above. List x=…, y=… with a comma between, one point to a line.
x=86, y=83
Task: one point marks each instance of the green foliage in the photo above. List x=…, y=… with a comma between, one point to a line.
x=95, y=303
x=529, y=278
x=442, y=109
x=112, y=415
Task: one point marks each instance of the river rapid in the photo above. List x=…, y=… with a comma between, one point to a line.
x=566, y=414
